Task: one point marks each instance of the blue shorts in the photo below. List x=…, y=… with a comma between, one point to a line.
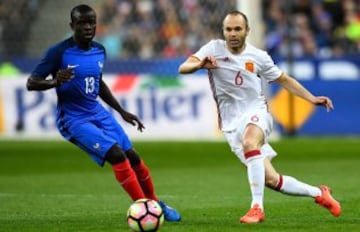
x=96, y=135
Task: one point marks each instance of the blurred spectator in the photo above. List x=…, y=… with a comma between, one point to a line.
x=319, y=28
x=15, y=20
x=132, y=42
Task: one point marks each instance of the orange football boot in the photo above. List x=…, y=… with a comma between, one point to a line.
x=327, y=201
x=254, y=215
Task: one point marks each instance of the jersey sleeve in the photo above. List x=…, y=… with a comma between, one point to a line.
x=269, y=70
x=205, y=50
x=49, y=64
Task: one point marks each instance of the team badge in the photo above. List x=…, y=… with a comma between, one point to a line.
x=249, y=66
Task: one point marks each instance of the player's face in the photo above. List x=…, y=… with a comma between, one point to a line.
x=84, y=27
x=235, y=32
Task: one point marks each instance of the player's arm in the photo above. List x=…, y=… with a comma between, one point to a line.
x=294, y=87
x=192, y=64
x=106, y=95
x=49, y=64
x=37, y=83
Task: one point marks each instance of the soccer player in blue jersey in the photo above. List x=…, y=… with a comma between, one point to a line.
x=76, y=65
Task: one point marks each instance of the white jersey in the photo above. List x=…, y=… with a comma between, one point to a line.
x=237, y=83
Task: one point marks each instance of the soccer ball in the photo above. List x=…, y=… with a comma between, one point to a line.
x=145, y=215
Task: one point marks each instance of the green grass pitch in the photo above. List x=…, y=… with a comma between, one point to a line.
x=54, y=186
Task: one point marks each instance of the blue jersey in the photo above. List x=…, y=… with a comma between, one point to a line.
x=80, y=118
x=76, y=98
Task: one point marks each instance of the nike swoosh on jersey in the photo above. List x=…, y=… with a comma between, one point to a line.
x=73, y=66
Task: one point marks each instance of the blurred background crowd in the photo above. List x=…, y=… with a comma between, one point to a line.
x=317, y=28
x=147, y=29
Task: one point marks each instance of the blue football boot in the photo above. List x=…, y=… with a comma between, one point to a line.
x=170, y=214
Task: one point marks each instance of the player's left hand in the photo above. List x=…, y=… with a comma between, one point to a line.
x=64, y=75
x=324, y=101
x=133, y=120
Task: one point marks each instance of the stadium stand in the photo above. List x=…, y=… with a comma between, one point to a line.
x=16, y=18
x=147, y=29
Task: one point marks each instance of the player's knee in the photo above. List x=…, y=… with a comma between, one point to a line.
x=271, y=181
x=250, y=145
x=133, y=157
x=115, y=155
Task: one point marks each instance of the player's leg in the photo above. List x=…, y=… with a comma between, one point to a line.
x=143, y=174
x=253, y=138
x=145, y=180
x=291, y=186
x=112, y=142
x=139, y=168
x=124, y=173
x=287, y=184
x=91, y=138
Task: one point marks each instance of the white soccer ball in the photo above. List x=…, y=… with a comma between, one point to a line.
x=145, y=215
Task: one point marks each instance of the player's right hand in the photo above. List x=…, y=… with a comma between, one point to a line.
x=64, y=75
x=324, y=101
x=209, y=62
x=133, y=120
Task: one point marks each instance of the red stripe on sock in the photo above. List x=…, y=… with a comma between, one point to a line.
x=252, y=153
x=279, y=185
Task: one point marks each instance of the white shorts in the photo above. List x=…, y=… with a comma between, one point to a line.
x=261, y=119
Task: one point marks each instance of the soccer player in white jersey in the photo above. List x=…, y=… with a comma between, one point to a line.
x=236, y=70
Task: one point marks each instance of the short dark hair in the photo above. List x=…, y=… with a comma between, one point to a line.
x=236, y=12
x=79, y=9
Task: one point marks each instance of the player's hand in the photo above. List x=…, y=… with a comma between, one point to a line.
x=64, y=75
x=324, y=101
x=208, y=62
x=133, y=120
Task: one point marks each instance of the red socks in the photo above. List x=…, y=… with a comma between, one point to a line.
x=127, y=178
x=144, y=178
x=136, y=181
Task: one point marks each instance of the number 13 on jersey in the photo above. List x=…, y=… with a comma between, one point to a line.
x=89, y=85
